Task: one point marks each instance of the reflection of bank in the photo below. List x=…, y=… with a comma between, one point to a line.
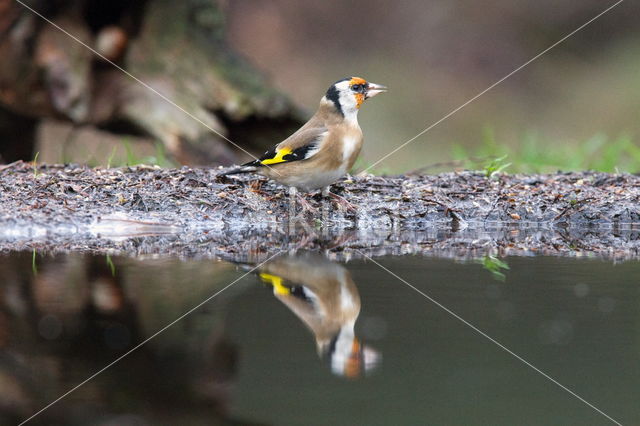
x=70, y=316
x=322, y=294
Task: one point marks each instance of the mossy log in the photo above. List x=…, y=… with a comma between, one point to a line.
x=177, y=48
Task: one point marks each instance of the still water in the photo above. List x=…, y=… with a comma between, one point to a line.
x=304, y=340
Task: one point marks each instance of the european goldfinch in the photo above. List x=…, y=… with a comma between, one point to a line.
x=325, y=147
x=324, y=297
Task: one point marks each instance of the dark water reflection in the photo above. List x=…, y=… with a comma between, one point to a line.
x=302, y=339
x=324, y=297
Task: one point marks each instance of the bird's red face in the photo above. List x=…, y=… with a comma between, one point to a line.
x=363, y=90
x=348, y=94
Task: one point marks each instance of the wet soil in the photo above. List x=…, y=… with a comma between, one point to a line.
x=194, y=212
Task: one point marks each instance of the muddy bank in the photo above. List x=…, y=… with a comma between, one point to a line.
x=192, y=212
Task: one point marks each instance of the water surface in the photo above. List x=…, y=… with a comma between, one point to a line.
x=307, y=340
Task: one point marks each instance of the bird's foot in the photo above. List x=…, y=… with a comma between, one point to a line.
x=306, y=206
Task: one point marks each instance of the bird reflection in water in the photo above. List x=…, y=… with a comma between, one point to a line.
x=323, y=295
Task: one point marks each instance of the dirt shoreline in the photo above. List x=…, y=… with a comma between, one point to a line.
x=191, y=212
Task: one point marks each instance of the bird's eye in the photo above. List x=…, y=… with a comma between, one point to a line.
x=357, y=88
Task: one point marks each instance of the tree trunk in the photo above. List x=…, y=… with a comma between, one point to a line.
x=177, y=48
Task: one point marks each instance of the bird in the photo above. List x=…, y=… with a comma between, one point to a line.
x=323, y=295
x=325, y=148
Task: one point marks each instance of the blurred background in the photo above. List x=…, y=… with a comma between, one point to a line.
x=254, y=70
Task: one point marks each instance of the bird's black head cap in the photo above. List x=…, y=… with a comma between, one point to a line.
x=334, y=95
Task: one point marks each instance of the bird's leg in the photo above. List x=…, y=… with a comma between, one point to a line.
x=298, y=219
x=325, y=210
x=325, y=207
x=293, y=218
x=292, y=204
x=306, y=206
x=293, y=196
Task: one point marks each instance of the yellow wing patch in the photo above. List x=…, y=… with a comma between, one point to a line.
x=278, y=157
x=276, y=282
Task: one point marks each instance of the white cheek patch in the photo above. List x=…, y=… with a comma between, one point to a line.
x=348, y=101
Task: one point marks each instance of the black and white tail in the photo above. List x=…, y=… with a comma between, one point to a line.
x=249, y=167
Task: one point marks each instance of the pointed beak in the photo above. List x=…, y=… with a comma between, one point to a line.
x=373, y=89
